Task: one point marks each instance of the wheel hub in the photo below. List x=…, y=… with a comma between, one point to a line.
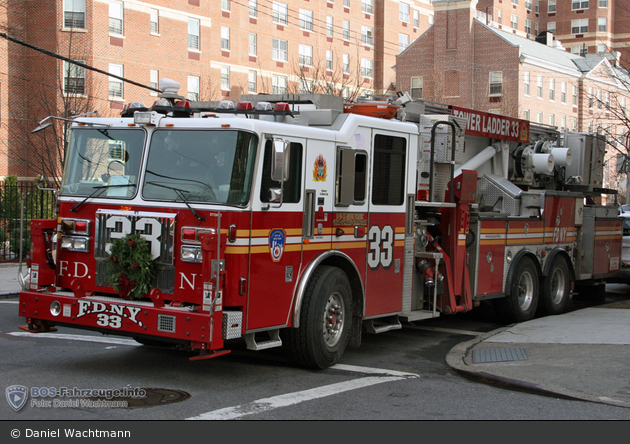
x=333, y=319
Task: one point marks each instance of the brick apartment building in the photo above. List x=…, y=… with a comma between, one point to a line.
x=583, y=26
x=216, y=49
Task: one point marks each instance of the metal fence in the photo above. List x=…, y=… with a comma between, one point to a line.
x=19, y=203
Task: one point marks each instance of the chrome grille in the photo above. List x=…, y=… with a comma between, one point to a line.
x=166, y=323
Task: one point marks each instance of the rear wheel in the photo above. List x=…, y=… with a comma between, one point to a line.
x=325, y=320
x=522, y=301
x=556, y=288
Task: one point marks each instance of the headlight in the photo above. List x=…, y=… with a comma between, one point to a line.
x=55, y=308
x=191, y=254
x=75, y=243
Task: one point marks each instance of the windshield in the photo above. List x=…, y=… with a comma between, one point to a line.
x=103, y=163
x=213, y=166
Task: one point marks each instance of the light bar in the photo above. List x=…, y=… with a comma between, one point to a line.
x=244, y=105
x=264, y=106
x=282, y=106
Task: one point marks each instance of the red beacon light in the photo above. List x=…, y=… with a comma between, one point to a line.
x=244, y=105
x=281, y=106
x=182, y=104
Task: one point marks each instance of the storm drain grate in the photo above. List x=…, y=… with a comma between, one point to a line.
x=499, y=355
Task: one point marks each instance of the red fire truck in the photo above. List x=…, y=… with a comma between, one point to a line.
x=305, y=221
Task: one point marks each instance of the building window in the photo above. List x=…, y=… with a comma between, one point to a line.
x=305, y=86
x=403, y=12
x=579, y=26
x=623, y=105
x=115, y=89
x=573, y=124
x=607, y=100
x=591, y=97
x=116, y=17
x=279, y=13
x=193, y=34
x=552, y=119
x=225, y=78
x=500, y=16
x=403, y=42
x=225, y=5
x=306, y=19
x=366, y=35
x=515, y=2
x=251, y=84
x=539, y=117
x=552, y=89
x=252, y=47
x=551, y=27
x=601, y=24
x=155, y=21
x=575, y=92
x=306, y=55
x=603, y=3
x=73, y=78
x=346, y=64
x=279, y=51
x=601, y=48
x=528, y=4
x=346, y=3
x=278, y=84
x=496, y=83
x=346, y=30
x=74, y=14
x=563, y=122
x=193, y=87
x=330, y=29
x=563, y=92
x=514, y=21
x=416, y=87
x=551, y=6
x=528, y=26
x=599, y=99
x=526, y=114
x=154, y=79
x=366, y=68
x=526, y=83
x=579, y=4
x=225, y=38
x=416, y=18
x=253, y=8
x=367, y=6
x=329, y=60
x=536, y=28
x=539, y=86
x=537, y=6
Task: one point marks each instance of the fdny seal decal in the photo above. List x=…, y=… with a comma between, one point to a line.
x=277, y=240
x=320, y=170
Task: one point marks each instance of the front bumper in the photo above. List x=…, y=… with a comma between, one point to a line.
x=116, y=316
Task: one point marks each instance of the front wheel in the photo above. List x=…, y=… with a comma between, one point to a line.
x=520, y=305
x=325, y=320
x=556, y=288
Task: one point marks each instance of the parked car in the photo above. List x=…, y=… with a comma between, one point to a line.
x=625, y=246
x=623, y=208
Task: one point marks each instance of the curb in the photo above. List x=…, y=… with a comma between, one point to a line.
x=455, y=359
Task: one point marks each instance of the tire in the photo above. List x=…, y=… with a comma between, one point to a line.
x=556, y=288
x=325, y=320
x=522, y=301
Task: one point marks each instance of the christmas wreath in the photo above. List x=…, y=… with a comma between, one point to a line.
x=130, y=268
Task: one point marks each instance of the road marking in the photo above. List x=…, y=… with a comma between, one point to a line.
x=267, y=404
x=446, y=330
x=117, y=341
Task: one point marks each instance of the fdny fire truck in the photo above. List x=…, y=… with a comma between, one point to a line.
x=304, y=221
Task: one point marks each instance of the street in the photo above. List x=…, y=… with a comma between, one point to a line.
x=398, y=375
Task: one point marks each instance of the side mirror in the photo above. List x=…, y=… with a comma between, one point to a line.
x=279, y=160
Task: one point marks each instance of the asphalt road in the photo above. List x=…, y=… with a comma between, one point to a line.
x=398, y=375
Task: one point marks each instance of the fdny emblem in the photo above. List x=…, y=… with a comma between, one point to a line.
x=319, y=172
x=277, y=240
x=16, y=396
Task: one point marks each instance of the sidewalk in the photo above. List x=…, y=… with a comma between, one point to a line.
x=584, y=354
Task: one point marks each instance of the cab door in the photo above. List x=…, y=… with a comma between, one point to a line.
x=276, y=236
x=386, y=223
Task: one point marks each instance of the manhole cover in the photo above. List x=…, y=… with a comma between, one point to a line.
x=154, y=397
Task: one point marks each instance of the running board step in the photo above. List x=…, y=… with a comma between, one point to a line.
x=273, y=341
x=382, y=325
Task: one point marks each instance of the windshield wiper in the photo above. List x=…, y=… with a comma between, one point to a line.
x=180, y=193
x=97, y=192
